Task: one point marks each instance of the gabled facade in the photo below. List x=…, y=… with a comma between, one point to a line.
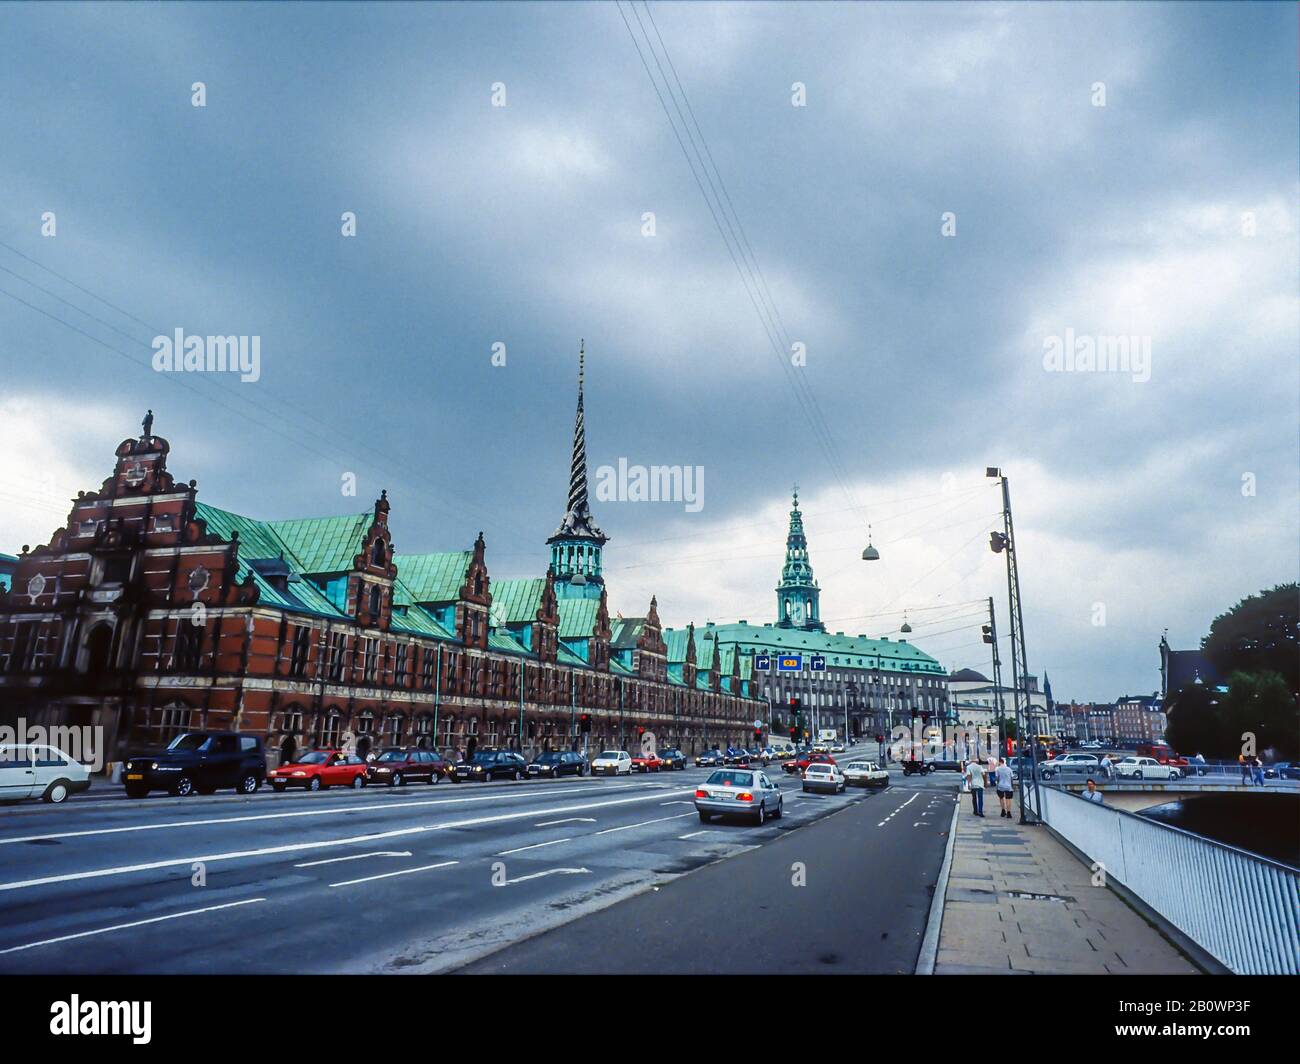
x=150, y=613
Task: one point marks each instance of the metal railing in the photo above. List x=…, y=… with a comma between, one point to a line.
x=1241, y=908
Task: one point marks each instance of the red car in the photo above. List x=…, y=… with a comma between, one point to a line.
x=646, y=763
x=319, y=769
x=798, y=766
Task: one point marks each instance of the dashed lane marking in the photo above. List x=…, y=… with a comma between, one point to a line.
x=400, y=872
x=534, y=846
x=135, y=923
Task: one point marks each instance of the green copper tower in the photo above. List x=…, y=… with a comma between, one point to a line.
x=797, y=594
x=576, y=544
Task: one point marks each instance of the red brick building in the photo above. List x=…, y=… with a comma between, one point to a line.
x=151, y=612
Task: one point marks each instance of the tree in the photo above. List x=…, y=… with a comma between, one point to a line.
x=1261, y=633
x=1260, y=704
x=1195, y=724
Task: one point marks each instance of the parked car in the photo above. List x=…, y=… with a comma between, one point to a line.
x=800, y=764
x=200, y=762
x=1074, y=758
x=1283, y=770
x=865, y=774
x=39, y=771
x=672, y=758
x=612, y=763
x=490, y=765
x=556, y=763
x=744, y=792
x=1067, y=771
x=1144, y=768
x=398, y=766
x=646, y=763
x=318, y=769
x=709, y=759
x=823, y=776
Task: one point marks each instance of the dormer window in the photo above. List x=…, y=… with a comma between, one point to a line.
x=377, y=555
x=87, y=528
x=163, y=523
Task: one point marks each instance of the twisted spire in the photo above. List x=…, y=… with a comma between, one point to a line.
x=577, y=519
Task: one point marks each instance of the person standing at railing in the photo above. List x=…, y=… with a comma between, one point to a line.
x=1092, y=794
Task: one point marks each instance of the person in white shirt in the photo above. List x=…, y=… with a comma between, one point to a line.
x=1003, y=779
x=975, y=778
x=1092, y=794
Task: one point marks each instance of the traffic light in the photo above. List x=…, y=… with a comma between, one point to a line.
x=794, y=732
x=879, y=737
x=758, y=735
x=997, y=542
x=584, y=723
x=988, y=632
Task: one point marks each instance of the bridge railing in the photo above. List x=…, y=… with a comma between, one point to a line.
x=1242, y=909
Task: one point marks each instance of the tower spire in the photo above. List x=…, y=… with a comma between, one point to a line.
x=575, y=545
x=797, y=595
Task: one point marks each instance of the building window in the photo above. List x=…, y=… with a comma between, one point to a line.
x=371, y=659
x=189, y=646
x=399, y=670
x=329, y=736
x=171, y=721
x=376, y=600
x=301, y=650
x=427, y=666
x=377, y=554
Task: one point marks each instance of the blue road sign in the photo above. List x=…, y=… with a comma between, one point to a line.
x=789, y=663
x=763, y=662
x=818, y=663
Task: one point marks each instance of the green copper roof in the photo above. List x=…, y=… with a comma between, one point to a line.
x=844, y=651
x=676, y=640
x=324, y=544
x=433, y=577
x=578, y=617
x=417, y=621
x=516, y=601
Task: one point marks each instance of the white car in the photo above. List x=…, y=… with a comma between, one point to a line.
x=837, y=748
x=1145, y=768
x=1073, y=759
x=823, y=776
x=612, y=763
x=40, y=772
x=865, y=774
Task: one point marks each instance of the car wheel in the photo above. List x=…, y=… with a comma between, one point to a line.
x=56, y=792
x=395, y=780
x=314, y=784
x=705, y=818
x=248, y=785
x=805, y=788
x=780, y=809
x=762, y=813
x=1137, y=774
x=433, y=778
x=359, y=781
x=582, y=770
x=183, y=787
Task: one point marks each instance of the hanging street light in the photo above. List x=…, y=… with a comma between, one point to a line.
x=870, y=554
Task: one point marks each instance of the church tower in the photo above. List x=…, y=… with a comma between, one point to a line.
x=797, y=594
x=576, y=545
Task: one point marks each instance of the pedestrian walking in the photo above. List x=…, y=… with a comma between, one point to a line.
x=1257, y=770
x=1003, y=780
x=1245, y=770
x=1092, y=794
x=974, y=776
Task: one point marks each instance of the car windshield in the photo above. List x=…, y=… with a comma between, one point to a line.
x=483, y=759
x=862, y=766
x=609, y=755
x=187, y=742
x=819, y=768
x=314, y=758
x=392, y=755
x=732, y=779
x=547, y=759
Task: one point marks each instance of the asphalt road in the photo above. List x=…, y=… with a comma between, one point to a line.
x=423, y=879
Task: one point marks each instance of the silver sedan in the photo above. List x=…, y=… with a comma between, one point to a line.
x=738, y=792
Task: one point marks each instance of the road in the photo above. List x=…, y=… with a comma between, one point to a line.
x=425, y=879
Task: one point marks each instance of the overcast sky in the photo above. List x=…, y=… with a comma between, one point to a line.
x=1169, y=213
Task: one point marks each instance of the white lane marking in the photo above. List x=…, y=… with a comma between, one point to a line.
x=676, y=803
x=389, y=875
x=694, y=833
x=549, y=872
x=567, y=820
x=375, y=806
x=324, y=843
x=534, y=846
x=898, y=810
x=355, y=857
x=629, y=827
x=136, y=923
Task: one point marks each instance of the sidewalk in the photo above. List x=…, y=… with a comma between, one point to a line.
x=988, y=931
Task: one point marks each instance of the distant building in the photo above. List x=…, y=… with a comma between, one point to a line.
x=1178, y=668
x=971, y=688
x=1139, y=719
x=8, y=565
x=867, y=686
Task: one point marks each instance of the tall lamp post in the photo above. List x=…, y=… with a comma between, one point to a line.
x=1005, y=542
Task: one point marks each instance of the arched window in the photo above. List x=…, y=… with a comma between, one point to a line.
x=377, y=555
x=99, y=649
x=376, y=597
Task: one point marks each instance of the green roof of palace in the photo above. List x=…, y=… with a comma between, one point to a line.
x=433, y=577
x=325, y=544
x=578, y=617
x=516, y=601
x=839, y=650
x=418, y=621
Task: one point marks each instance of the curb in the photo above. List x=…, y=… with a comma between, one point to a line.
x=930, y=943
